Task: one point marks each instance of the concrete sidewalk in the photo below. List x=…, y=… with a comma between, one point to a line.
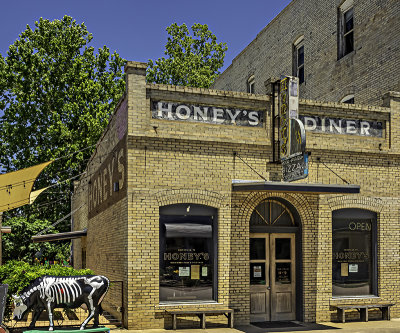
x=381, y=326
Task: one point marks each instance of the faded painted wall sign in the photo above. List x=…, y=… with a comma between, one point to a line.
x=122, y=119
x=108, y=184
x=206, y=114
x=343, y=126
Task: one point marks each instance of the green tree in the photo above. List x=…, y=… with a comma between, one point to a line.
x=191, y=60
x=18, y=244
x=57, y=94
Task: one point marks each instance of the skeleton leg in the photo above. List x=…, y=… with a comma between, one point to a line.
x=50, y=310
x=35, y=317
x=97, y=311
x=91, y=312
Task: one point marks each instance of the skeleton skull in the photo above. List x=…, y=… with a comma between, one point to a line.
x=19, y=307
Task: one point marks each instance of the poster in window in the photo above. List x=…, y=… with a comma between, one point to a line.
x=257, y=273
x=344, y=269
x=184, y=271
x=195, y=272
x=353, y=268
x=204, y=271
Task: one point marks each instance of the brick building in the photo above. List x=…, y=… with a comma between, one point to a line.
x=341, y=50
x=182, y=203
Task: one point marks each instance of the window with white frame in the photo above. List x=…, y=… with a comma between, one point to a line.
x=298, y=59
x=349, y=99
x=250, y=84
x=345, y=29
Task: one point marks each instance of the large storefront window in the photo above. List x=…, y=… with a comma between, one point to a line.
x=354, y=253
x=187, y=253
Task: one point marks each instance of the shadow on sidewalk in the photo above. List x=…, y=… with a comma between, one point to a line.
x=283, y=326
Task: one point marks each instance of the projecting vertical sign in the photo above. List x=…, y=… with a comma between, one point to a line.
x=284, y=119
x=292, y=137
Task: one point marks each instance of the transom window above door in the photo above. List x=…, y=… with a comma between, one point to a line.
x=271, y=212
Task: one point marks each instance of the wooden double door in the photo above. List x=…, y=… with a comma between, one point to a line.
x=272, y=277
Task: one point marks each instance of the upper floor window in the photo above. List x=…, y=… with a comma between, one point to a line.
x=250, y=85
x=345, y=29
x=298, y=59
x=349, y=99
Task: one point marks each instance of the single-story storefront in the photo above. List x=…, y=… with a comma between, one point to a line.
x=183, y=202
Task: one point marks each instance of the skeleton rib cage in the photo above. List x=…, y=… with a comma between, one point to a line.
x=48, y=292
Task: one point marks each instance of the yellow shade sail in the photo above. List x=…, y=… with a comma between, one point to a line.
x=35, y=194
x=16, y=187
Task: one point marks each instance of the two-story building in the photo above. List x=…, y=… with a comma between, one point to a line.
x=183, y=202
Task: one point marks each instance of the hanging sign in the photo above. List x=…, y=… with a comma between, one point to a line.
x=295, y=167
x=292, y=135
x=284, y=131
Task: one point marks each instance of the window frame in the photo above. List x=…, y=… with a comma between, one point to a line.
x=345, y=8
x=361, y=214
x=187, y=210
x=250, y=85
x=348, y=99
x=297, y=46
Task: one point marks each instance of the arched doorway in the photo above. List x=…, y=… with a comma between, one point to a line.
x=275, y=260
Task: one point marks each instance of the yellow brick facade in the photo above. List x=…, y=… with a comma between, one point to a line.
x=172, y=162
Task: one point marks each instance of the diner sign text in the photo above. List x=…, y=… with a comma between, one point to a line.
x=342, y=126
x=206, y=114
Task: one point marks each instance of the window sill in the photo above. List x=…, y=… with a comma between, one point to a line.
x=346, y=56
x=338, y=298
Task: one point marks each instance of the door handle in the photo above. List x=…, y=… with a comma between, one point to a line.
x=268, y=288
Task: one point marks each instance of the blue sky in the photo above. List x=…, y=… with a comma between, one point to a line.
x=136, y=29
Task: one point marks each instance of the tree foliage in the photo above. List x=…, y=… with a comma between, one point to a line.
x=57, y=94
x=18, y=244
x=19, y=274
x=191, y=60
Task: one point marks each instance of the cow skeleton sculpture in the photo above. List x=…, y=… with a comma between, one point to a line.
x=49, y=292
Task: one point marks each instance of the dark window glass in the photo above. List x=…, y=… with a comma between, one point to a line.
x=349, y=42
x=282, y=248
x=353, y=256
x=299, y=70
x=257, y=248
x=346, y=36
x=186, y=258
x=349, y=101
x=282, y=273
x=348, y=20
x=345, y=32
x=300, y=56
x=250, y=86
x=301, y=75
